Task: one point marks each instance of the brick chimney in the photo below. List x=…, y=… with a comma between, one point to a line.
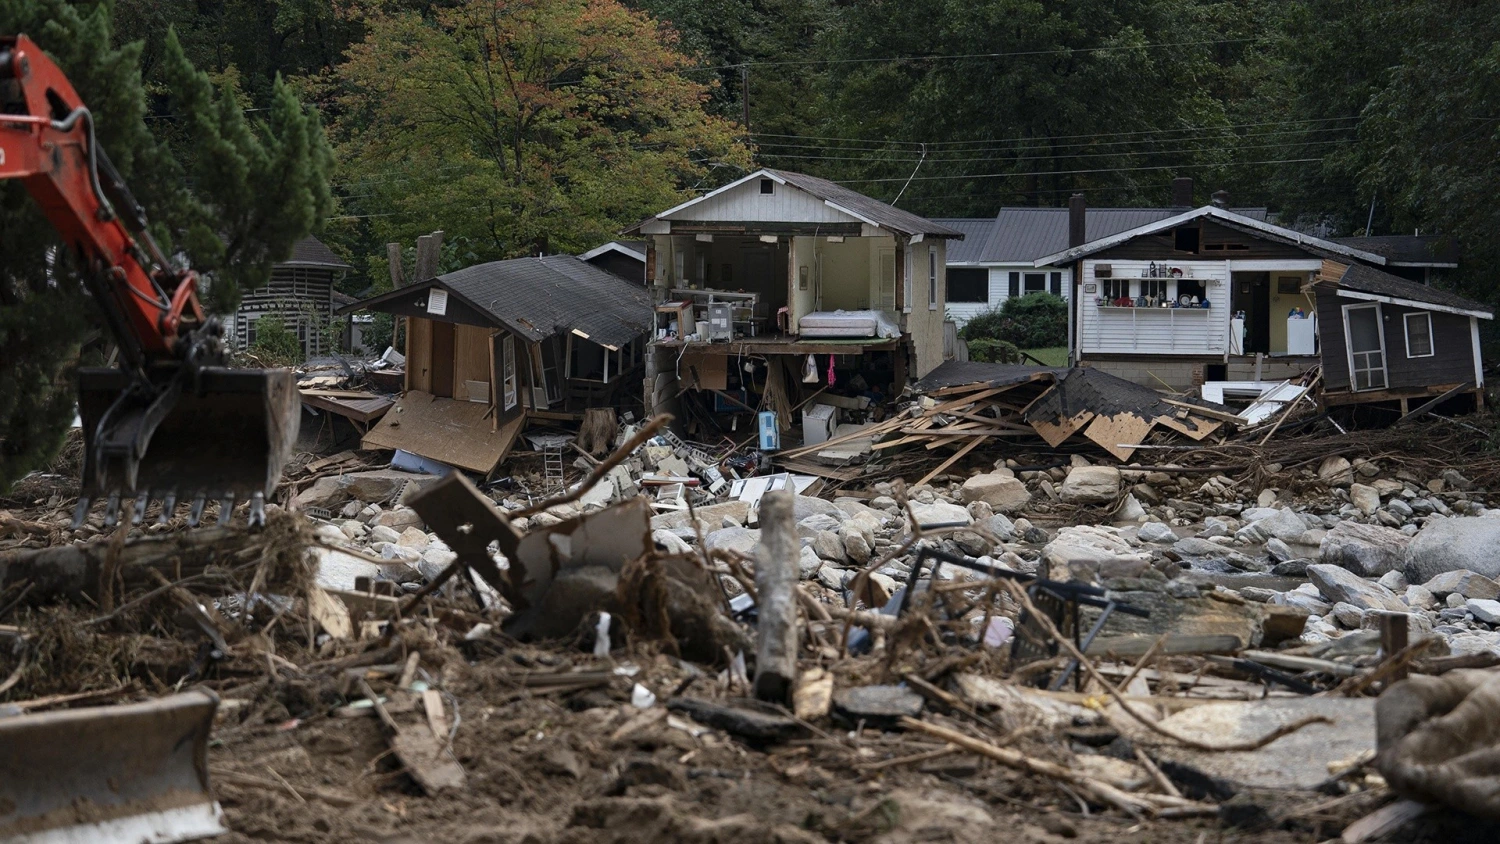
x=1221, y=198
x=1077, y=214
x=1182, y=192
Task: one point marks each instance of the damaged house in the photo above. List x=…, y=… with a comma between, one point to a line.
x=781, y=279
x=494, y=346
x=301, y=293
x=1207, y=295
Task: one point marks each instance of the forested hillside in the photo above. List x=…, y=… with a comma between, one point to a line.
x=512, y=123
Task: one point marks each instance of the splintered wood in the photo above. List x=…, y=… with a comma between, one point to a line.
x=1112, y=413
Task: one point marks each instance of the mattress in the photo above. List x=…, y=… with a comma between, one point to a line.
x=878, y=324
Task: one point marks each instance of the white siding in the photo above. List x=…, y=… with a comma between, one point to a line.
x=999, y=290
x=1155, y=331
x=746, y=204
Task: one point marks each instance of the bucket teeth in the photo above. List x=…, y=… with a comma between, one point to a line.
x=112, y=510
x=80, y=512
x=226, y=508
x=258, y=509
x=196, y=513
x=168, y=507
x=139, y=513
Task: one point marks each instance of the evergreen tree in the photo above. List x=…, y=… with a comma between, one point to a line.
x=240, y=195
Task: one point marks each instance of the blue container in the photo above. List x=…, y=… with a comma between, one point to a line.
x=770, y=435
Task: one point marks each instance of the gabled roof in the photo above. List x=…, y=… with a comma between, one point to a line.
x=1020, y=235
x=629, y=248
x=1408, y=250
x=310, y=252
x=1363, y=279
x=537, y=298
x=1260, y=228
x=852, y=203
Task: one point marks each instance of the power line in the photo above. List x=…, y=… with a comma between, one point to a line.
x=1082, y=172
x=1045, y=157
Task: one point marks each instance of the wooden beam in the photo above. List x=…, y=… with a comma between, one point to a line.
x=950, y=461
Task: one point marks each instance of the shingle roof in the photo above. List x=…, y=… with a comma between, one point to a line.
x=885, y=216
x=310, y=252
x=1370, y=280
x=1021, y=235
x=543, y=297
x=1407, y=248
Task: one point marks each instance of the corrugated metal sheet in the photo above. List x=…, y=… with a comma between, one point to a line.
x=1022, y=235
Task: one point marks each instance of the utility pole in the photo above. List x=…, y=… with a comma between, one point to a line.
x=745, y=98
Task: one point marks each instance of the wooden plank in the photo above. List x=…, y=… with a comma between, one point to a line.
x=448, y=431
x=804, y=468
x=1206, y=411
x=1118, y=435
x=1199, y=428
x=1054, y=433
x=324, y=462
x=1447, y=394
x=950, y=461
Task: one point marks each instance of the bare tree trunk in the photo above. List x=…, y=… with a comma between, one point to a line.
x=776, y=585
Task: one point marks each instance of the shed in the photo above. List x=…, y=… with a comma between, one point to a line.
x=525, y=338
x=300, y=293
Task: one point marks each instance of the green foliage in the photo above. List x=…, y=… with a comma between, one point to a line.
x=506, y=124
x=237, y=198
x=1036, y=320
x=986, y=350
x=275, y=344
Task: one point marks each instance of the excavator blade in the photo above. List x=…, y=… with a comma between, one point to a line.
x=131, y=773
x=225, y=436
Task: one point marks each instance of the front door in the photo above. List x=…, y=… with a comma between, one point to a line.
x=1252, y=295
x=1366, y=338
x=442, y=359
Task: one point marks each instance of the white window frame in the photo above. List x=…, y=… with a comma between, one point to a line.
x=1385, y=378
x=1431, y=338
x=932, y=279
x=508, y=370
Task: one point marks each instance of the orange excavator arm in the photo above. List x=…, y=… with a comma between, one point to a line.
x=223, y=431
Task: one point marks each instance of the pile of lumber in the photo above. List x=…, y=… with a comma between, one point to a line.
x=963, y=405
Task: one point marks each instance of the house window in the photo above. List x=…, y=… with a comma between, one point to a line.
x=1055, y=279
x=767, y=187
x=1114, y=289
x=508, y=378
x=1036, y=282
x=1365, y=335
x=1154, y=288
x=931, y=279
x=968, y=284
x=1418, y=335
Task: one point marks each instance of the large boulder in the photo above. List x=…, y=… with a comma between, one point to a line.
x=1003, y=493
x=1091, y=485
x=1463, y=582
x=805, y=505
x=738, y=539
x=1335, y=471
x=1453, y=544
x=1366, y=550
x=1093, y=552
x=713, y=514
x=1366, y=498
x=324, y=494
x=1285, y=524
x=1341, y=585
x=940, y=513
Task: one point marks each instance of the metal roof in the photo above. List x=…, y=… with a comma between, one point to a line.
x=310, y=252
x=1380, y=283
x=542, y=297
x=866, y=208
x=853, y=203
x=1418, y=250
x=1021, y=235
x=1259, y=228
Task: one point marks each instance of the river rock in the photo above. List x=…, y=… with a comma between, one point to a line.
x=1091, y=484
x=1339, y=584
x=858, y=545
x=1366, y=498
x=808, y=563
x=821, y=521
x=1452, y=544
x=940, y=512
x=1003, y=528
x=739, y=539
x=1366, y=550
x=1090, y=552
x=400, y=518
x=1484, y=609
x=1156, y=532
x=1284, y=523
x=827, y=545
x=1003, y=493
x=1419, y=597
x=1335, y=471
x=1463, y=582
x=381, y=533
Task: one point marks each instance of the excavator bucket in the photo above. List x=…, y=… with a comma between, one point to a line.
x=131, y=773
x=226, y=436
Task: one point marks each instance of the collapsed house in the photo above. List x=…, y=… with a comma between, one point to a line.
x=494, y=346
x=781, y=278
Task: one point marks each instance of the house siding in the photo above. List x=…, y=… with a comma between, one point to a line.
x=924, y=322
x=1154, y=331
x=302, y=297
x=1452, y=361
x=747, y=204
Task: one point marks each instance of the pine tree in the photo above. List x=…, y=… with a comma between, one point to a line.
x=233, y=199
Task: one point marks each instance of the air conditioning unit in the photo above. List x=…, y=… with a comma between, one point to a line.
x=720, y=321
